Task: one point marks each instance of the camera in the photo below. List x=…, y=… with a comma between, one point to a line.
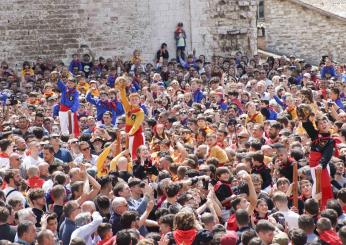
x=232, y=122
x=13, y=100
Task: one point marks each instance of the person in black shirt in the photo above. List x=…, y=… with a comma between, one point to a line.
x=6, y=231
x=162, y=54
x=143, y=166
x=285, y=163
x=38, y=202
x=323, y=147
x=87, y=65
x=258, y=167
x=223, y=188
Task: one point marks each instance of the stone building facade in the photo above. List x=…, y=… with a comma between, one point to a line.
x=304, y=29
x=57, y=28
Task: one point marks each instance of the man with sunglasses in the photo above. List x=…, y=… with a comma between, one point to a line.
x=86, y=156
x=60, y=152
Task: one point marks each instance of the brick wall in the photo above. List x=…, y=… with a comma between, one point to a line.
x=294, y=29
x=57, y=28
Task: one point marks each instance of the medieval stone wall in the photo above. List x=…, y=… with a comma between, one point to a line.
x=57, y=28
x=291, y=28
x=334, y=6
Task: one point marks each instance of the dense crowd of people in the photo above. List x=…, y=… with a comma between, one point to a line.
x=184, y=150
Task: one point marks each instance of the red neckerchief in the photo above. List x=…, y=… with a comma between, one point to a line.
x=290, y=110
x=185, y=237
x=259, y=168
x=109, y=105
x=330, y=237
x=258, y=218
x=220, y=182
x=221, y=144
x=133, y=111
x=288, y=163
x=70, y=91
x=328, y=137
x=303, y=198
x=4, y=155
x=252, y=118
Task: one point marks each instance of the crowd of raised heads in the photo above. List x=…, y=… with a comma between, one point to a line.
x=184, y=150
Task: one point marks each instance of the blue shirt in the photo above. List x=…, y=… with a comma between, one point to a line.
x=55, y=110
x=223, y=106
x=69, y=97
x=328, y=70
x=3, y=98
x=65, y=231
x=111, y=81
x=73, y=64
x=115, y=107
x=339, y=103
x=64, y=155
x=198, y=96
x=144, y=108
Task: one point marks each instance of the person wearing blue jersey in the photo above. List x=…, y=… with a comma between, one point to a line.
x=69, y=104
x=104, y=104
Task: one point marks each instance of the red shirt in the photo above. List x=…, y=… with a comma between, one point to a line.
x=35, y=182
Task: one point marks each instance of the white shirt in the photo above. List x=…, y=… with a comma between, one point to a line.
x=47, y=185
x=312, y=237
x=291, y=218
x=30, y=161
x=87, y=230
x=341, y=219
x=14, y=195
x=80, y=159
x=4, y=163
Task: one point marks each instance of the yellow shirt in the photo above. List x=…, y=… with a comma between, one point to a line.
x=293, y=112
x=219, y=153
x=83, y=87
x=134, y=116
x=103, y=170
x=256, y=118
x=113, y=164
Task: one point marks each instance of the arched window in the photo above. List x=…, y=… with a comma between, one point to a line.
x=260, y=12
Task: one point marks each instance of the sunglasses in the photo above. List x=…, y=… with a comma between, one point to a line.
x=85, y=149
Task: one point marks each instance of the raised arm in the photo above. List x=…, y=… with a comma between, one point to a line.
x=310, y=129
x=252, y=194
x=101, y=160
x=92, y=226
x=120, y=84
x=61, y=86
x=146, y=213
x=96, y=187
x=90, y=98
x=114, y=161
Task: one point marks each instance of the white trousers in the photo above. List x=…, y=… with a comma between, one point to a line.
x=63, y=117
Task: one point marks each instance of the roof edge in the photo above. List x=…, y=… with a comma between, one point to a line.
x=319, y=10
